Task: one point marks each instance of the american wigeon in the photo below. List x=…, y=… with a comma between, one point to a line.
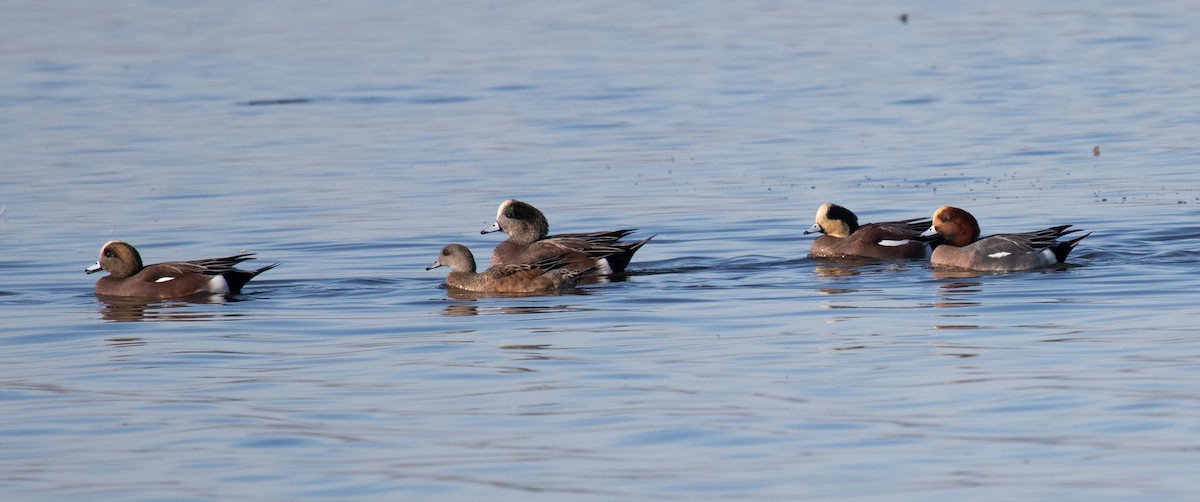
x=176, y=279
x=544, y=276
x=962, y=248
x=844, y=237
x=528, y=242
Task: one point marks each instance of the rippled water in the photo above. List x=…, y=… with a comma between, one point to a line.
x=351, y=142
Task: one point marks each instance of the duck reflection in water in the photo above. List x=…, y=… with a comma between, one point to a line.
x=474, y=309
x=127, y=309
x=955, y=295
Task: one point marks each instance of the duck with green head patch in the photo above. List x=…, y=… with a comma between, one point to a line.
x=528, y=241
x=844, y=237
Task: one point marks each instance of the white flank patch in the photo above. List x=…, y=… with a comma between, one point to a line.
x=602, y=267
x=891, y=243
x=218, y=285
x=1001, y=254
x=164, y=279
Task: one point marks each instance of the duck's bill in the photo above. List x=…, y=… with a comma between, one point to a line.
x=815, y=229
x=929, y=233
x=494, y=228
x=94, y=268
x=433, y=265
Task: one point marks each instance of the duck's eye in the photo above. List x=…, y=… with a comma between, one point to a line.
x=944, y=219
x=108, y=253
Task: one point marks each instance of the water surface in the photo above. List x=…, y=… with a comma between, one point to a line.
x=350, y=143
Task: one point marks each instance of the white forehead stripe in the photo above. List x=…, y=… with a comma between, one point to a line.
x=500, y=210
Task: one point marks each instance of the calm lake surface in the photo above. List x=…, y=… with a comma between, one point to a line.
x=350, y=142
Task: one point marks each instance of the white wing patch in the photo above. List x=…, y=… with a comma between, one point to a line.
x=1001, y=254
x=164, y=279
x=892, y=243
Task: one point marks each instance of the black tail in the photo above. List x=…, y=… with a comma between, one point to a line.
x=619, y=260
x=238, y=278
x=1063, y=248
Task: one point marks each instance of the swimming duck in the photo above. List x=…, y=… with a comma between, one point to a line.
x=544, y=276
x=528, y=242
x=844, y=237
x=177, y=279
x=962, y=248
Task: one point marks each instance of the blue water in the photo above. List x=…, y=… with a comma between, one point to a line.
x=350, y=142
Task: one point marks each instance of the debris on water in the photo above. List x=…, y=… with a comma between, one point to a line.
x=904, y=18
x=1096, y=151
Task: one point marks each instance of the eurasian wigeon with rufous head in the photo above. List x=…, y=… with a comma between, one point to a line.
x=962, y=247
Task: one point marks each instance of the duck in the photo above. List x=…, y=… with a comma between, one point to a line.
x=548, y=275
x=962, y=248
x=844, y=237
x=528, y=241
x=127, y=276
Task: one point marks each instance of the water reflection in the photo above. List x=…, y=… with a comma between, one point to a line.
x=842, y=267
x=836, y=291
x=942, y=274
x=125, y=309
x=125, y=341
x=955, y=295
x=852, y=266
x=836, y=271
x=539, y=346
x=471, y=309
x=460, y=294
x=460, y=310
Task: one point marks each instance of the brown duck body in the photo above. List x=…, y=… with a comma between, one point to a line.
x=528, y=242
x=844, y=237
x=544, y=276
x=128, y=277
